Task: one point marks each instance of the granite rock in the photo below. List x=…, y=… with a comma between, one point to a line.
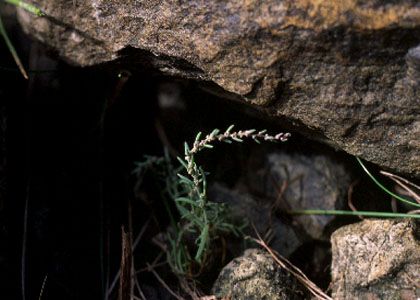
x=376, y=259
x=345, y=72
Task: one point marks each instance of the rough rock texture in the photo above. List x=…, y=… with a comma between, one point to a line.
x=311, y=181
x=255, y=276
x=342, y=69
x=376, y=259
x=284, y=238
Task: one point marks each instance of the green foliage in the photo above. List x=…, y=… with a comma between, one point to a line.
x=186, y=186
x=26, y=6
x=366, y=213
x=382, y=187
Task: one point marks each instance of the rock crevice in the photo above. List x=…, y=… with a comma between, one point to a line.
x=346, y=69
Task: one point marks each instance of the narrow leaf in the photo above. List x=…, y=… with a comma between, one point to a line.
x=12, y=50
x=26, y=6
x=203, y=241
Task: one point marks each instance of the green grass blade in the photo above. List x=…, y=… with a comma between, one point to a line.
x=382, y=187
x=12, y=49
x=26, y=6
x=376, y=214
x=203, y=241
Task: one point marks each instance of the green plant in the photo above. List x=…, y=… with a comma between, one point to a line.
x=29, y=7
x=366, y=213
x=186, y=186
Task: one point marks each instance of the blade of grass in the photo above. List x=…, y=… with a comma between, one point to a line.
x=12, y=50
x=382, y=187
x=354, y=213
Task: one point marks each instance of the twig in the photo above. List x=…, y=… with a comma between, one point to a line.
x=390, y=175
x=24, y=241
x=44, y=282
x=164, y=284
x=154, y=264
x=300, y=276
x=164, y=138
x=382, y=187
x=126, y=266
x=137, y=240
x=399, y=180
x=136, y=282
x=190, y=290
x=350, y=198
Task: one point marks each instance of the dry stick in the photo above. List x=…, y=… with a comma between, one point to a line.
x=164, y=139
x=136, y=282
x=164, y=284
x=190, y=290
x=350, y=198
x=126, y=266
x=137, y=240
x=154, y=264
x=398, y=180
x=300, y=276
x=130, y=224
x=394, y=205
x=24, y=241
x=41, y=293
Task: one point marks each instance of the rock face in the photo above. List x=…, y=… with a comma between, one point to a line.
x=253, y=276
x=311, y=181
x=284, y=238
x=346, y=71
x=376, y=259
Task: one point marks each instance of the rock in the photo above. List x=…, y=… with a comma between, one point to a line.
x=312, y=182
x=284, y=238
x=339, y=71
x=254, y=276
x=376, y=259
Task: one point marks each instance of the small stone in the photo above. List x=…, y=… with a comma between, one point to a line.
x=255, y=276
x=376, y=259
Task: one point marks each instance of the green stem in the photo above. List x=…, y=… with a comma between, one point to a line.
x=26, y=6
x=384, y=188
x=12, y=49
x=354, y=213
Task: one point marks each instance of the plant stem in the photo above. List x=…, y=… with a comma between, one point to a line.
x=354, y=213
x=12, y=49
x=26, y=6
x=384, y=188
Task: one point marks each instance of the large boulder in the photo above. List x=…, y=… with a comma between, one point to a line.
x=346, y=71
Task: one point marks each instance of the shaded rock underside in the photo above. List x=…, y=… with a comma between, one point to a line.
x=341, y=71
